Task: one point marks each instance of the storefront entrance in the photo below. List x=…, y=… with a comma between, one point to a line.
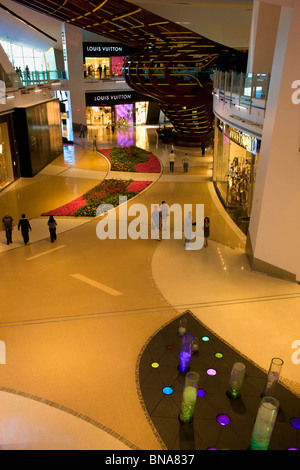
x=7, y=174
x=101, y=115
x=235, y=164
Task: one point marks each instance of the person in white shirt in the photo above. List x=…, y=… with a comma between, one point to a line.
x=172, y=158
x=164, y=214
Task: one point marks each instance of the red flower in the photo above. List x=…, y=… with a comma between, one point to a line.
x=69, y=208
x=151, y=166
x=138, y=186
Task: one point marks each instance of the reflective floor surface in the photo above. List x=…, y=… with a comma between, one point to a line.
x=76, y=314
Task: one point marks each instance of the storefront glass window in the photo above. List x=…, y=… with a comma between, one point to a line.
x=98, y=115
x=236, y=158
x=20, y=56
x=141, y=112
x=6, y=168
x=117, y=65
x=124, y=114
x=97, y=67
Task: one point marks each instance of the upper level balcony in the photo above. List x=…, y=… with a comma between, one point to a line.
x=240, y=99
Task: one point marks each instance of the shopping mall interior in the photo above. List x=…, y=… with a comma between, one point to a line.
x=93, y=326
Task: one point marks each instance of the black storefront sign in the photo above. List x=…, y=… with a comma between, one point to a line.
x=107, y=49
x=112, y=98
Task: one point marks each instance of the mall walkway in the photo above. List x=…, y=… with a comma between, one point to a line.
x=76, y=316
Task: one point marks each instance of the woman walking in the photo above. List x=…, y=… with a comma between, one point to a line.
x=52, y=228
x=206, y=231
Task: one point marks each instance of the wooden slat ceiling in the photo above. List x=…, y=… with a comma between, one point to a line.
x=171, y=63
x=121, y=21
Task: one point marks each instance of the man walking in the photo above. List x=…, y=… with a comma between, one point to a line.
x=172, y=158
x=185, y=162
x=25, y=227
x=7, y=223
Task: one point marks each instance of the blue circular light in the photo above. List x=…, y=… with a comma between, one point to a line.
x=167, y=390
x=295, y=422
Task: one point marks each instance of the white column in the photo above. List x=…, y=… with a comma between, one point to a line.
x=274, y=231
x=265, y=19
x=73, y=58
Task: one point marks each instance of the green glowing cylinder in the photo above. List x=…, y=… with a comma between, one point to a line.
x=189, y=397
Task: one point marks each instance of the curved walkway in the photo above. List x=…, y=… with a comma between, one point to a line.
x=75, y=316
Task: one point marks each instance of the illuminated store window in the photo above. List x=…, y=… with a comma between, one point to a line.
x=141, y=112
x=6, y=168
x=236, y=159
x=97, y=67
x=98, y=115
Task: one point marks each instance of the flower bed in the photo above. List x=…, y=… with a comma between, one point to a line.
x=132, y=159
x=107, y=192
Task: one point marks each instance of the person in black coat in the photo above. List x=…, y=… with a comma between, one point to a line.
x=24, y=225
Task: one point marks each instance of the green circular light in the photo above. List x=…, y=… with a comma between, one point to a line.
x=219, y=355
x=155, y=365
x=205, y=338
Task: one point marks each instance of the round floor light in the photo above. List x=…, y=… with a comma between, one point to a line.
x=205, y=338
x=155, y=365
x=201, y=393
x=219, y=355
x=167, y=390
x=295, y=422
x=223, y=420
x=211, y=372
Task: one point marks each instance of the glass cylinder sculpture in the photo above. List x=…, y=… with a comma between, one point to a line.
x=189, y=397
x=273, y=377
x=236, y=380
x=185, y=353
x=182, y=326
x=264, y=424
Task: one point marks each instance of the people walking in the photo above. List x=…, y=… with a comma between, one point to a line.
x=155, y=224
x=172, y=158
x=95, y=142
x=185, y=162
x=52, y=228
x=188, y=222
x=206, y=231
x=7, y=223
x=81, y=131
x=164, y=214
x=24, y=225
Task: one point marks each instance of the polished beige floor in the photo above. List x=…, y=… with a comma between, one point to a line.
x=76, y=315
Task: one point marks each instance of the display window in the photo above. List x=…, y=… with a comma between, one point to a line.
x=117, y=66
x=236, y=157
x=101, y=115
x=6, y=166
x=124, y=114
x=141, y=112
x=97, y=67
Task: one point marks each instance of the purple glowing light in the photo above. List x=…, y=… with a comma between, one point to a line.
x=295, y=422
x=201, y=393
x=223, y=420
x=184, y=361
x=211, y=372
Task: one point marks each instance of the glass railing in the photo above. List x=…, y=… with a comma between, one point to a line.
x=35, y=77
x=245, y=85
